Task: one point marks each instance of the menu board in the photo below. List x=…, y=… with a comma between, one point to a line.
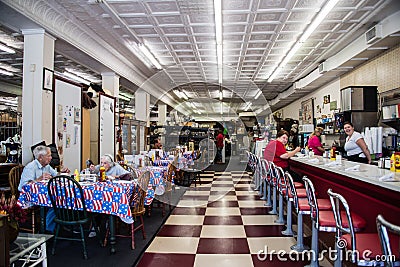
x=106, y=125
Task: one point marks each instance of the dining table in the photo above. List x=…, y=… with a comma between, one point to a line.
x=110, y=197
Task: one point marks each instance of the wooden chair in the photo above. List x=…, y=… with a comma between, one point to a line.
x=137, y=208
x=14, y=177
x=169, y=187
x=137, y=205
x=68, y=201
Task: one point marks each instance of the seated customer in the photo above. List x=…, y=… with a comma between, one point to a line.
x=276, y=152
x=112, y=168
x=38, y=170
x=157, y=144
x=314, y=143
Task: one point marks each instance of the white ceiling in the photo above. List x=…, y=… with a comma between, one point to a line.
x=257, y=34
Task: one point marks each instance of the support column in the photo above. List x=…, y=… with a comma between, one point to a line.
x=162, y=114
x=37, y=104
x=142, y=113
x=142, y=105
x=110, y=82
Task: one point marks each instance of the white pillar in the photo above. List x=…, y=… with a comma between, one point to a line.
x=142, y=105
x=110, y=82
x=162, y=114
x=37, y=104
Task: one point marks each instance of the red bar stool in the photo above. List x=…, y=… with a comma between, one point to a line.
x=303, y=208
x=281, y=187
x=264, y=182
x=357, y=244
x=273, y=182
x=257, y=175
x=324, y=220
x=389, y=244
x=292, y=191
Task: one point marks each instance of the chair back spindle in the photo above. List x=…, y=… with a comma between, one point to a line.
x=384, y=228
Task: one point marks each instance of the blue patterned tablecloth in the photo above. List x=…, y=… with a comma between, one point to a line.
x=101, y=197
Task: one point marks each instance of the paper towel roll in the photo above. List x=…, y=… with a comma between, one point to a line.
x=368, y=141
x=379, y=140
x=323, y=139
x=374, y=135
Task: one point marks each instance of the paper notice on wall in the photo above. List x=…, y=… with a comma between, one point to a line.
x=76, y=134
x=68, y=141
x=59, y=119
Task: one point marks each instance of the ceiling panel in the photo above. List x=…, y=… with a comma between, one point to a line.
x=257, y=35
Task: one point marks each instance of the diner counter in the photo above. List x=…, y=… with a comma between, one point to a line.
x=366, y=173
x=362, y=188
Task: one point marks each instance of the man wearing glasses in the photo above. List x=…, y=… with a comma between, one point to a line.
x=40, y=170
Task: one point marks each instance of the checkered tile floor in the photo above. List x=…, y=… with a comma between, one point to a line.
x=221, y=223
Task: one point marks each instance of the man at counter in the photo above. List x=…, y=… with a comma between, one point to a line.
x=355, y=146
x=276, y=152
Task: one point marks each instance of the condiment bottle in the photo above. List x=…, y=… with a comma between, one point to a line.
x=397, y=161
x=392, y=166
x=76, y=175
x=102, y=177
x=333, y=153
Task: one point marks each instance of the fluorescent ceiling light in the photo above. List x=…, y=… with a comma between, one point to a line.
x=184, y=95
x=378, y=48
x=129, y=110
x=246, y=108
x=5, y=72
x=124, y=97
x=310, y=29
x=150, y=56
x=218, y=35
x=178, y=93
x=7, y=49
x=258, y=94
x=221, y=95
x=222, y=108
x=318, y=19
x=76, y=78
x=11, y=101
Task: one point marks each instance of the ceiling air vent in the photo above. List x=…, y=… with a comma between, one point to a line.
x=322, y=68
x=373, y=34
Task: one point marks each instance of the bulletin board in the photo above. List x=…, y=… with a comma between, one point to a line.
x=67, y=128
x=106, y=125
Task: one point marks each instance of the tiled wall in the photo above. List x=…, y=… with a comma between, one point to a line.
x=383, y=71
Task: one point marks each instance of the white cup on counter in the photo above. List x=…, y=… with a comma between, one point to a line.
x=339, y=158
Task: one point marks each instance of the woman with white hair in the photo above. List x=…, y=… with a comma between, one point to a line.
x=111, y=168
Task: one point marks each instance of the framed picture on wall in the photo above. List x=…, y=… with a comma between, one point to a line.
x=48, y=79
x=308, y=111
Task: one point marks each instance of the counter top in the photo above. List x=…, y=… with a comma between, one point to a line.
x=366, y=173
